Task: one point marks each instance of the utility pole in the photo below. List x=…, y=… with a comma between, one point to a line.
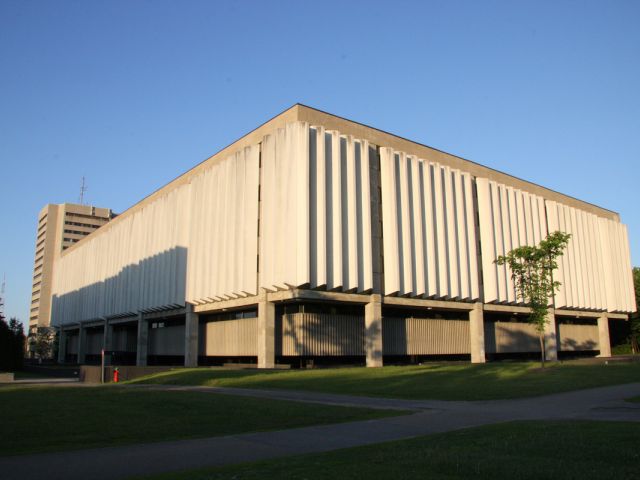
x=2, y=297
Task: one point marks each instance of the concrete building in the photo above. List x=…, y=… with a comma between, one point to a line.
x=315, y=238
x=59, y=227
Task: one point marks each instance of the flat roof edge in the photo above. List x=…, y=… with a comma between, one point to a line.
x=288, y=115
x=302, y=112
x=474, y=165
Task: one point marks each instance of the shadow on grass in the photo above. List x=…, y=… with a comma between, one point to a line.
x=522, y=450
x=50, y=418
x=433, y=381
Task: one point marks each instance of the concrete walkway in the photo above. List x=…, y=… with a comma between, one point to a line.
x=48, y=381
x=430, y=416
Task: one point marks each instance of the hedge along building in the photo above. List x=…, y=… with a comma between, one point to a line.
x=317, y=237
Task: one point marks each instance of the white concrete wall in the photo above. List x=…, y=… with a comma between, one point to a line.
x=428, y=229
x=196, y=243
x=132, y=265
x=199, y=242
x=294, y=209
x=315, y=215
x=284, y=219
x=223, y=229
x=509, y=218
x=595, y=271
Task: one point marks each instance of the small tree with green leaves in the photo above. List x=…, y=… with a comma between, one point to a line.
x=532, y=273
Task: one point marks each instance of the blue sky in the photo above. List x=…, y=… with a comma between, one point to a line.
x=130, y=94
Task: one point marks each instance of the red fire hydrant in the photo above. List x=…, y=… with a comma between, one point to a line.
x=116, y=375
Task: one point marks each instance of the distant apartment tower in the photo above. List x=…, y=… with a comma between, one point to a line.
x=59, y=227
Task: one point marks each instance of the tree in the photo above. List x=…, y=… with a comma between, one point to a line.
x=532, y=273
x=635, y=318
x=42, y=342
x=11, y=345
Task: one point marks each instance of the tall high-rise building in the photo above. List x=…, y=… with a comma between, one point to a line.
x=59, y=227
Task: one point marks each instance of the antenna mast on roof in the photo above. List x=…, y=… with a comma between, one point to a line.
x=2, y=297
x=83, y=188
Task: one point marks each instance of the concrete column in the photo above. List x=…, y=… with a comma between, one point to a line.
x=143, y=341
x=603, y=336
x=107, y=336
x=82, y=344
x=266, y=332
x=476, y=333
x=551, y=337
x=191, y=337
x=62, y=345
x=373, y=331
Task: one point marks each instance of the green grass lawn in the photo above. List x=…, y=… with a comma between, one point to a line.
x=624, y=349
x=519, y=450
x=461, y=381
x=38, y=419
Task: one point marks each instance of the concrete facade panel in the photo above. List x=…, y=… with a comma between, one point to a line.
x=167, y=340
x=424, y=209
x=222, y=243
x=511, y=337
x=596, y=245
x=224, y=338
x=316, y=334
x=577, y=337
x=425, y=336
x=595, y=271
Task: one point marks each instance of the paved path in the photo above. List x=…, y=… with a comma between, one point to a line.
x=48, y=381
x=431, y=416
x=560, y=405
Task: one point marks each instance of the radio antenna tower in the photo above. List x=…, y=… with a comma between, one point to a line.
x=2, y=297
x=83, y=188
